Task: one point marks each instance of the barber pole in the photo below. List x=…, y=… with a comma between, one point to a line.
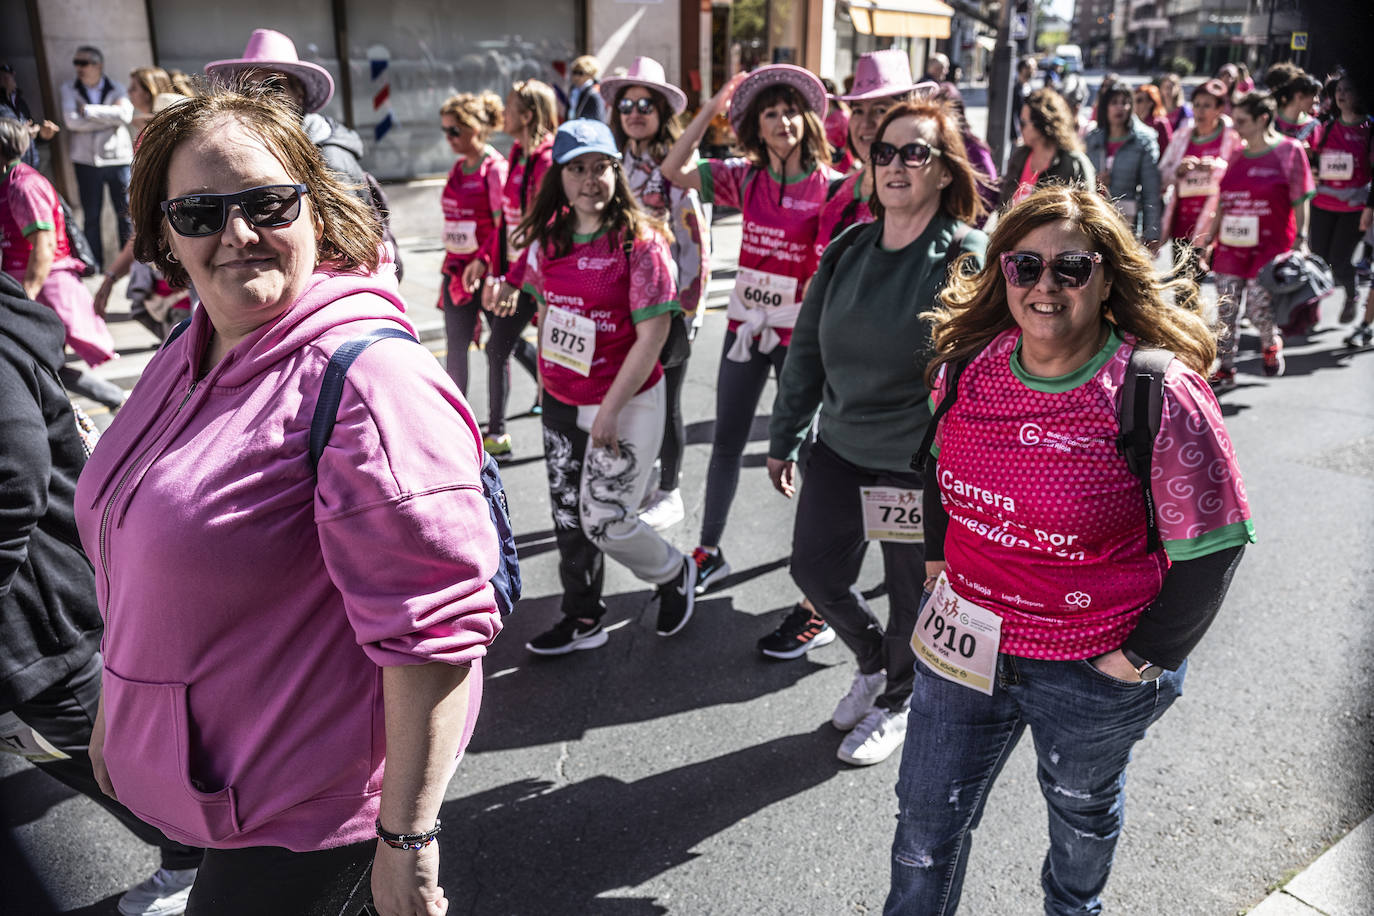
x=379, y=58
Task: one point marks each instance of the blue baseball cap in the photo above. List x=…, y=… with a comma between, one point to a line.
x=583, y=135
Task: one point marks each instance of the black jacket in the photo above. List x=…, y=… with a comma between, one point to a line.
x=49, y=622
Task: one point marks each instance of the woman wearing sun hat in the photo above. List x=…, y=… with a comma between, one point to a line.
x=643, y=109
x=780, y=187
x=882, y=80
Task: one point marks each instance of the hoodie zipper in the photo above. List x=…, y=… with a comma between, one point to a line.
x=124, y=478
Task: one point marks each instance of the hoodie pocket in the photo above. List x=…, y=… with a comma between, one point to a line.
x=147, y=752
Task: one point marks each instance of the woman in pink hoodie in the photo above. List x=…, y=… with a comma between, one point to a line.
x=291, y=684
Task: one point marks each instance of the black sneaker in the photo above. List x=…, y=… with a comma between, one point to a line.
x=1348, y=310
x=568, y=635
x=676, y=600
x=799, y=633
x=711, y=568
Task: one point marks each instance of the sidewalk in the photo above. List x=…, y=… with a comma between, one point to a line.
x=1339, y=883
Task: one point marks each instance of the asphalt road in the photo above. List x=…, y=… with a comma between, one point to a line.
x=690, y=776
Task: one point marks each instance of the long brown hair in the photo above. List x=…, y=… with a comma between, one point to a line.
x=668, y=127
x=350, y=233
x=537, y=98
x=551, y=219
x=972, y=309
x=960, y=197
x=815, y=148
x=1050, y=115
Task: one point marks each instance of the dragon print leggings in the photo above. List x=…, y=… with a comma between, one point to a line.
x=595, y=498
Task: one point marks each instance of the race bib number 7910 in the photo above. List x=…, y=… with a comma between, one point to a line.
x=957, y=639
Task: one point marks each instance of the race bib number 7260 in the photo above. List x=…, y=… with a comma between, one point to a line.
x=957, y=639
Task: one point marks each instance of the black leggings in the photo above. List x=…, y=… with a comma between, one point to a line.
x=460, y=322
x=1333, y=239
x=505, y=340
x=674, y=429
x=272, y=881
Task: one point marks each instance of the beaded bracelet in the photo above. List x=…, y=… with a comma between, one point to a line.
x=407, y=840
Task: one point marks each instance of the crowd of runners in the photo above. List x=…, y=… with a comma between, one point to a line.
x=990, y=376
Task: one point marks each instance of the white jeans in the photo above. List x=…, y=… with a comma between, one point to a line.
x=610, y=488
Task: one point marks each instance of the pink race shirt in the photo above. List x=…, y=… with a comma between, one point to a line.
x=598, y=282
x=781, y=229
x=29, y=205
x=520, y=192
x=472, y=202
x=1047, y=525
x=846, y=207
x=1257, y=197
x=1194, y=191
x=1342, y=153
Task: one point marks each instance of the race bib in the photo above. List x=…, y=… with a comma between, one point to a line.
x=957, y=639
x=1336, y=165
x=18, y=738
x=460, y=236
x=569, y=340
x=1197, y=183
x=758, y=289
x=1240, y=231
x=892, y=514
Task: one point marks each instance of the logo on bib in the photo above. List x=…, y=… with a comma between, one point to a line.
x=1078, y=599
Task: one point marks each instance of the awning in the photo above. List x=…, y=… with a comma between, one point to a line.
x=901, y=18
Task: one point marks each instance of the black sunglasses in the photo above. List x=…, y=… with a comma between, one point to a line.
x=644, y=106
x=266, y=207
x=452, y=132
x=1071, y=270
x=914, y=155
x=79, y=62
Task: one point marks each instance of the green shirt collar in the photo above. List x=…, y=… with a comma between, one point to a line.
x=580, y=239
x=791, y=179
x=9, y=167
x=1062, y=383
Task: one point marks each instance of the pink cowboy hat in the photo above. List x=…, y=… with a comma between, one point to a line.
x=880, y=74
x=646, y=72
x=804, y=81
x=269, y=50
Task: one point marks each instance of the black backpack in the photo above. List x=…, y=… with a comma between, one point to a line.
x=506, y=583
x=1138, y=415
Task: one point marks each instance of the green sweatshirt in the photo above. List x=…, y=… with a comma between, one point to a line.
x=859, y=349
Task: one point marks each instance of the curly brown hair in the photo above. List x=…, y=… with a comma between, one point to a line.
x=972, y=308
x=349, y=231
x=477, y=111
x=815, y=148
x=668, y=127
x=1050, y=115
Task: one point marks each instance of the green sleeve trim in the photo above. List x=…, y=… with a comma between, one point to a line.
x=653, y=311
x=1210, y=542
x=708, y=184
x=41, y=225
x=530, y=288
x=1306, y=197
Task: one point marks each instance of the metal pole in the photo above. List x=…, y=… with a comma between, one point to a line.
x=1269, y=36
x=999, y=91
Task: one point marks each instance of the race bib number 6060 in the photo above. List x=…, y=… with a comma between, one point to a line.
x=957, y=639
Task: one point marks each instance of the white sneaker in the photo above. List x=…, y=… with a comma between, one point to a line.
x=859, y=700
x=164, y=894
x=875, y=738
x=663, y=510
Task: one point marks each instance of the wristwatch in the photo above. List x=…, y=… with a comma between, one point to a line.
x=1148, y=671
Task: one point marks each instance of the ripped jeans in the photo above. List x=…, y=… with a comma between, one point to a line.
x=1084, y=724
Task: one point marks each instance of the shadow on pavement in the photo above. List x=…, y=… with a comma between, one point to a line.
x=637, y=676
x=528, y=847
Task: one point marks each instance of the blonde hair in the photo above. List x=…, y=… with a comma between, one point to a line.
x=588, y=65
x=537, y=98
x=153, y=80
x=480, y=112
x=972, y=309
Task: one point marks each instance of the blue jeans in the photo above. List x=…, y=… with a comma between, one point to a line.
x=91, y=182
x=1084, y=724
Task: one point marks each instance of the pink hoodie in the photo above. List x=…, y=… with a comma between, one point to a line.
x=249, y=603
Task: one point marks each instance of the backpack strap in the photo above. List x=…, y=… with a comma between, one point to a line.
x=956, y=244
x=177, y=331
x=331, y=389
x=952, y=372
x=1139, y=415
